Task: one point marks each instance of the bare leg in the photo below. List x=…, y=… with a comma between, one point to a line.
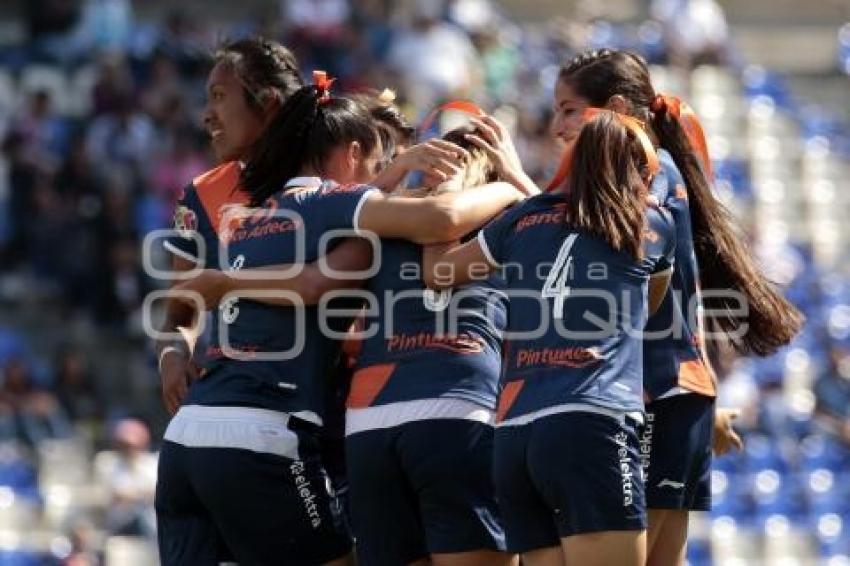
x=607, y=548
x=552, y=556
x=671, y=540
x=475, y=558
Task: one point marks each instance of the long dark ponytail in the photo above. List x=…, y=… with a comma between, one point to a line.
x=302, y=133
x=725, y=260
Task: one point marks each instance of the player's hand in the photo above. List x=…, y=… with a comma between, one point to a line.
x=493, y=137
x=725, y=437
x=438, y=157
x=177, y=372
x=211, y=285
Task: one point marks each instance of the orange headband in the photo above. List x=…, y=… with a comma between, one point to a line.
x=688, y=119
x=464, y=106
x=323, y=85
x=632, y=124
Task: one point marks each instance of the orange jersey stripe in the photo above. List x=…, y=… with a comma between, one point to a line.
x=508, y=397
x=367, y=383
x=695, y=376
x=218, y=188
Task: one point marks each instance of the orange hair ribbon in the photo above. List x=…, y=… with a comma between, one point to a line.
x=632, y=124
x=465, y=106
x=688, y=119
x=323, y=85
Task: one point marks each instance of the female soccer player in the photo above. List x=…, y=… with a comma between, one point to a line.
x=676, y=444
x=419, y=428
x=240, y=462
x=249, y=81
x=566, y=446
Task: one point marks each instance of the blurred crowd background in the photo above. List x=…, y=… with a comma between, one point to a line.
x=100, y=130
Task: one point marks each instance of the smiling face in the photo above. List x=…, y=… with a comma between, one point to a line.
x=232, y=124
x=567, y=113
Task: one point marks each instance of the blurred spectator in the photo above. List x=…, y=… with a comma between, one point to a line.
x=129, y=473
x=123, y=287
x=164, y=85
x=76, y=389
x=107, y=24
x=696, y=31
x=36, y=413
x=174, y=170
x=52, y=25
x=318, y=32
x=114, y=84
x=184, y=40
x=22, y=174
x=84, y=544
x=434, y=59
x=45, y=134
x=500, y=62
x=124, y=136
x=832, y=392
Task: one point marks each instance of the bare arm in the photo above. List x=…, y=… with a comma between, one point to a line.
x=354, y=254
x=493, y=137
x=448, y=265
x=175, y=369
x=438, y=218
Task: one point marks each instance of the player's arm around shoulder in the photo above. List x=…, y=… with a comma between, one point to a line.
x=436, y=218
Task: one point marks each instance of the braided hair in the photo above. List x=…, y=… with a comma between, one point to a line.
x=265, y=68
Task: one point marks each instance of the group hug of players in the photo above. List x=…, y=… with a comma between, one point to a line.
x=535, y=391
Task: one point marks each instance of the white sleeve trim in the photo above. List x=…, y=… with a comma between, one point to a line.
x=179, y=253
x=482, y=241
x=355, y=221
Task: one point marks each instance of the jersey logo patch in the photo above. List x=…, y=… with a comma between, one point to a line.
x=555, y=216
x=185, y=221
x=563, y=357
x=651, y=235
x=460, y=344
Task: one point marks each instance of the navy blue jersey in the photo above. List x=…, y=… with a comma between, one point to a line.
x=577, y=308
x=236, y=369
x=672, y=355
x=199, y=213
x=428, y=345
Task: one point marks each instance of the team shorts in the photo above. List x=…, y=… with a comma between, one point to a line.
x=422, y=488
x=222, y=504
x=568, y=474
x=676, y=452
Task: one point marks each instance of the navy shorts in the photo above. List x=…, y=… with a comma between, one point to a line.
x=676, y=452
x=217, y=504
x=421, y=488
x=568, y=474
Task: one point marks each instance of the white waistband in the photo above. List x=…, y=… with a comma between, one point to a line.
x=247, y=428
x=571, y=408
x=395, y=414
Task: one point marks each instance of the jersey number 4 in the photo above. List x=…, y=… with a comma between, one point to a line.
x=556, y=283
